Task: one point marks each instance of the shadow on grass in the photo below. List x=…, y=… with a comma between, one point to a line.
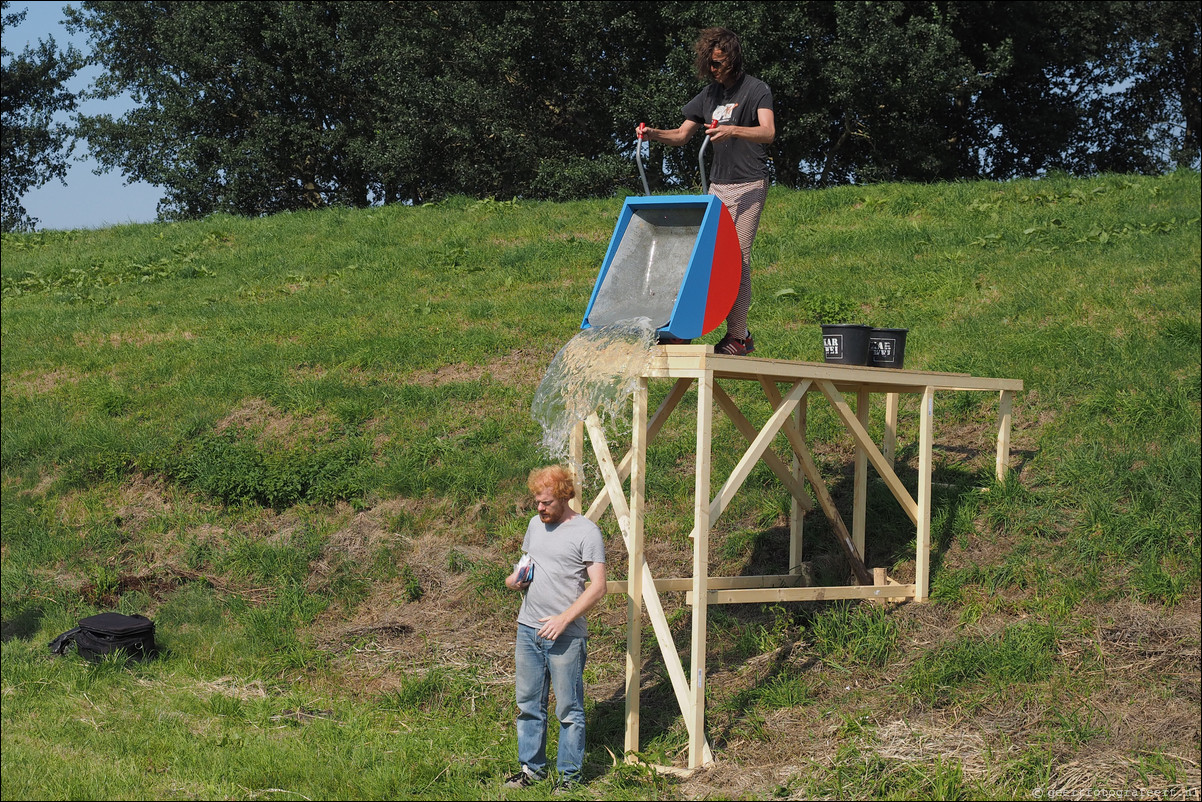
x=959, y=474
x=24, y=624
x=661, y=728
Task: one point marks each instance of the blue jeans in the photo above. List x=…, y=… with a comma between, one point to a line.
x=541, y=664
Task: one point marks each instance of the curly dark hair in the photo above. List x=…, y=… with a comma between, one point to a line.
x=724, y=40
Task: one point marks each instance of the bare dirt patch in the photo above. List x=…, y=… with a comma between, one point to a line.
x=522, y=367
x=390, y=635
x=137, y=338
x=32, y=382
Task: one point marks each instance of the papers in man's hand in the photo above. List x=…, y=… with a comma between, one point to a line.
x=525, y=569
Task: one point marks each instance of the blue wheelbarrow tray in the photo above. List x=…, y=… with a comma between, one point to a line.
x=674, y=260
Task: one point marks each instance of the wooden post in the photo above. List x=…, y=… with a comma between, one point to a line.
x=889, y=444
x=576, y=465
x=860, y=483
x=701, y=539
x=922, y=567
x=636, y=563
x=796, y=511
x=1005, y=402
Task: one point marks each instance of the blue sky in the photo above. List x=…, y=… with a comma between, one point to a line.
x=87, y=200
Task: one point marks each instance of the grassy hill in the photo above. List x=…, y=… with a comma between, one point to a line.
x=299, y=444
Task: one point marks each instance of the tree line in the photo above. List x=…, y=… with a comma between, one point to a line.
x=259, y=107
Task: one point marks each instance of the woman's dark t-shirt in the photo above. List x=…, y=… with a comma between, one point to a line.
x=735, y=160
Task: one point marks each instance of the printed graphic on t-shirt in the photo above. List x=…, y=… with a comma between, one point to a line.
x=722, y=114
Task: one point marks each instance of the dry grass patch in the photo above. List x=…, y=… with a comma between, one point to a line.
x=31, y=383
x=273, y=426
x=137, y=338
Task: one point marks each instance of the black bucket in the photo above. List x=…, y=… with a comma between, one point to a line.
x=887, y=348
x=845, y=343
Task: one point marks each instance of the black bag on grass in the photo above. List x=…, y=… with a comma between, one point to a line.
x=106, y=633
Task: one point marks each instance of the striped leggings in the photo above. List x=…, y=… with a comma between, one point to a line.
x=744, y=202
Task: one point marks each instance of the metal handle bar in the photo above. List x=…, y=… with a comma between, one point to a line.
x=705, y=190
x=638, y=157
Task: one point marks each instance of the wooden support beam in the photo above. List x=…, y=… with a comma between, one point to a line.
x=655, y=610
x=889, y=443
x=677, y=584
x=883, y=467
x=675, y=771
x=782, y=471
x=810, y=469
x=636, y=563
x=922, y=553
x=1005, y=403
x=576, y=465
x=773, y=595
x=797, y=510
x=860, y=481
x=695, y=713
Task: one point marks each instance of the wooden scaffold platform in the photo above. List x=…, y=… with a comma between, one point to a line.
x=787, y=386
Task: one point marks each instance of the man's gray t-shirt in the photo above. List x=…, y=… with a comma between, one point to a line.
x=736, y=161
x=559, y=552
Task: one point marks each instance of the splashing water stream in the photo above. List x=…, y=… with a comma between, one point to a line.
x=595, y=372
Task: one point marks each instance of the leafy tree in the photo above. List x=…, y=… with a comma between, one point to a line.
x=34, y=148
x=1152, y=124
x=251, y=108
x=921, y=91
x=259, y=107
x=900, y=86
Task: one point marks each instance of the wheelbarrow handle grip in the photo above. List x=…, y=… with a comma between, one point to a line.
x=638, y=155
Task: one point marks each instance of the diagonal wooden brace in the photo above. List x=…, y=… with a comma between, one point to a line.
x=601, y=502
x=810, y=469
x=782, y=471
x=883, y=466
x=759, y=445
x=655, y=610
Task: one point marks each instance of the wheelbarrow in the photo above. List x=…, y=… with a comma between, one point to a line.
x=673, y=259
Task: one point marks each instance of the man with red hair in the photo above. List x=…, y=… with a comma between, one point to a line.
x=564, y=549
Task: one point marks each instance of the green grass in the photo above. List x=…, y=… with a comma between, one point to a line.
x=265, y=432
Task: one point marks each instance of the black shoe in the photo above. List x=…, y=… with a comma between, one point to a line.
x=523, y=779
x=667, y=339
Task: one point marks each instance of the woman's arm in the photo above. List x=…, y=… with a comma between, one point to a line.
x=673, y=136
x=763, y=133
